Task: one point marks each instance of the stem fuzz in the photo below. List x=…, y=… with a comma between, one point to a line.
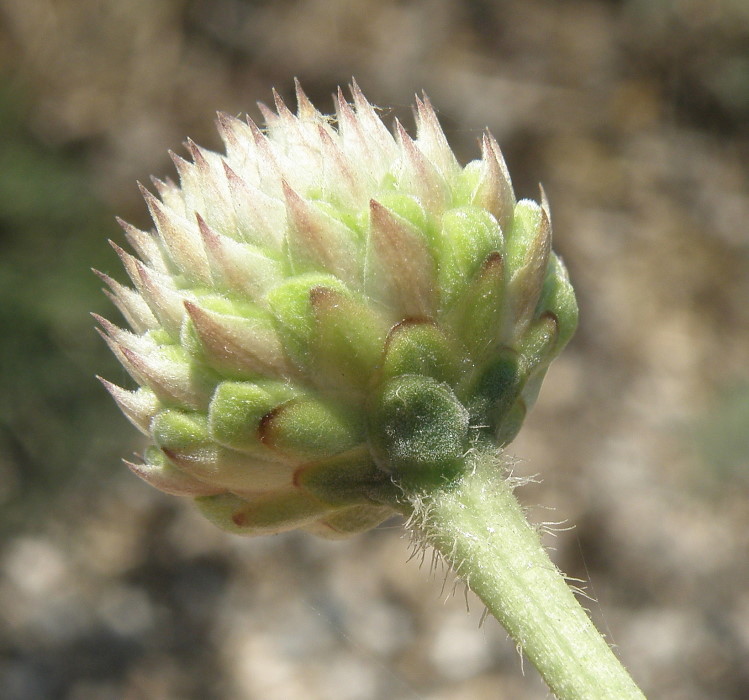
x=477, y=524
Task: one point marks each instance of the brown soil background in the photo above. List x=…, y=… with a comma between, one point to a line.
x=633, y=114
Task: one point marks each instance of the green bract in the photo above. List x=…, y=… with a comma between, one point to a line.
x=330, y=313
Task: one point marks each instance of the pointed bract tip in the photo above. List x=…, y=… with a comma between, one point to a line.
x=181, y=165
x=230, y=174
x=223, y=122
x=345, y=113
x=376, y=207
x=103, y=276
x=144, y=191
x=281, y=108
x=269, y=116
x=206, y=232
x=121, y=252
x=402, y=134
x=544, y=201
x=154, y=204
x=107, y=384
x=196, y=152
x=304, y=107
x=257, y=132
x=193, y=310
x=290, y=194
x=103, y=322
x=116, y=392
x=356, y=92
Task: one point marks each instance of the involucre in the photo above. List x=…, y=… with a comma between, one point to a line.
x=330, y=313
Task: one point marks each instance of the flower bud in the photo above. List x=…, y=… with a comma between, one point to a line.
x=329, y=314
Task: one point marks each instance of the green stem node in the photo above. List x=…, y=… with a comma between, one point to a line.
x=477, y=524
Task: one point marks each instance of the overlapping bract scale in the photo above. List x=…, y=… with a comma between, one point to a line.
x=326, y=307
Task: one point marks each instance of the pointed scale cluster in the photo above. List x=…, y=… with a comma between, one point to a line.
x=331, y=312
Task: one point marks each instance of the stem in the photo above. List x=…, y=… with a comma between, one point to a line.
x=478, y=525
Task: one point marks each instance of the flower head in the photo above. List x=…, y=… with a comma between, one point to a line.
x=329, y=312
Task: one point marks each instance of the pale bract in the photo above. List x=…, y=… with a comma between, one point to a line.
x=331, y=312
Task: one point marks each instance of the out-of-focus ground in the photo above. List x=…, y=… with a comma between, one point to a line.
x=634, y=114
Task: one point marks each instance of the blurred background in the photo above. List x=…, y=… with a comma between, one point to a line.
x=633, y=113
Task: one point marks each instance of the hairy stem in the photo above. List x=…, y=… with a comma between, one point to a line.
x=479, y=527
